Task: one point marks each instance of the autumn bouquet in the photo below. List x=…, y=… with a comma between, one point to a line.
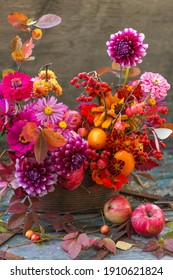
x=115, y=129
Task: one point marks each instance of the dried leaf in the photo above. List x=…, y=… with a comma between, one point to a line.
x=110, y=245
x=47, y=21
x=53, y=138
x=138, y=180
x=40, y=149
x=30, y=131
x=19, y=21
x=147, y=176
x=123, y=245
x=104, y=70
x=16, y=220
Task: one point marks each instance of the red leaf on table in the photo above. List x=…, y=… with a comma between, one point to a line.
x=109, y=244
x=83, y=240
x=168, y=244
x=71, y=235
x=151, y=246
x=74, y=249
x=17, y=208
x=16, y=220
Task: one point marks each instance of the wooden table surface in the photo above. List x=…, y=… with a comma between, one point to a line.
x=51, y=250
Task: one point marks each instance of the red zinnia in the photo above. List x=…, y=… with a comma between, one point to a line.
x=17, y=86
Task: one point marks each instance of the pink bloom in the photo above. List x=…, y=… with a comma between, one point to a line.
x=49, y=111
x=16, y=141
x=126, y=47
x=154, y=86
x=36, y=179
x=17, y=86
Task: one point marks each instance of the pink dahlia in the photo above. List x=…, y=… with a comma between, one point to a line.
x=17, y=86
x=36, y=179
x=70, y=157
x=154, y=86
x=126, y=47
x=7, y=110
x=48, y=110
x=16, y=140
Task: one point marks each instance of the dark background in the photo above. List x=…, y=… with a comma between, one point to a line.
x=79, y=43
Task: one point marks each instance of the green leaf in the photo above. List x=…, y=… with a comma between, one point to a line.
x=3, y=229
x=169, y=225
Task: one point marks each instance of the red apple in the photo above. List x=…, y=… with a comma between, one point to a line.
x=117, y=209
x=148, y=219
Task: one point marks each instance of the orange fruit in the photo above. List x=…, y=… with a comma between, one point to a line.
x=97, y=138
x=29, y=233
x=129, y=161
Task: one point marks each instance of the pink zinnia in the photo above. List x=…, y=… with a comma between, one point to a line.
x=16, y=141
x=49, y=111
x=154, y=86
x=17, y=86
x=126, y=47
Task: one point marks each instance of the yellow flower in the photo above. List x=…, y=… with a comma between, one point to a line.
x=49, y=74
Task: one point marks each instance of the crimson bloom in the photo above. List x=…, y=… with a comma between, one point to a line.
x=17, y=86
x=126, y=47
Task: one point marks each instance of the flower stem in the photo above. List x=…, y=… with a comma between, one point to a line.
x=126, y=75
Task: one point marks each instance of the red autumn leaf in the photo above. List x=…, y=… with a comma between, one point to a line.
x=48, y=21
x=53, y=138
x=150, y=164
x=17, y=208
x=16, y=220
x=40, y=149
x=74, y=249
x=151, y=246
x=83, y=240
x=71, y=235
x=159, y=252
x=168, y=244
x=27, y=48
x=104, y=70
x=19, y=21
x=58, y=226
x=30, y=131
x=28, y=222
x=36, y=219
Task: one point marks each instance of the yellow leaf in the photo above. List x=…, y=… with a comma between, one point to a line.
x=17, y=56
x=124, y=245
x=98, y=120
x=107, y=122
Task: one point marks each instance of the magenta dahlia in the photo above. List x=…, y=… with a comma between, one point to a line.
x=17, y=86
x=49, y=110
x=36, y=179
x=154, y=86
x=7, y=110
x=70, y=157
x=126, y=47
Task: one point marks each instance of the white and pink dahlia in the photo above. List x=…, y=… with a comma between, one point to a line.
x=126, y=47
x=36, y=179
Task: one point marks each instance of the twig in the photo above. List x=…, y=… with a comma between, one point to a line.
x=143, y=195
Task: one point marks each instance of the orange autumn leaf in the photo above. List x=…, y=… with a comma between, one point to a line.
x=30, y=131
x=53, y=138
x=21, y=52
x=40, y=149
x=19, y=21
